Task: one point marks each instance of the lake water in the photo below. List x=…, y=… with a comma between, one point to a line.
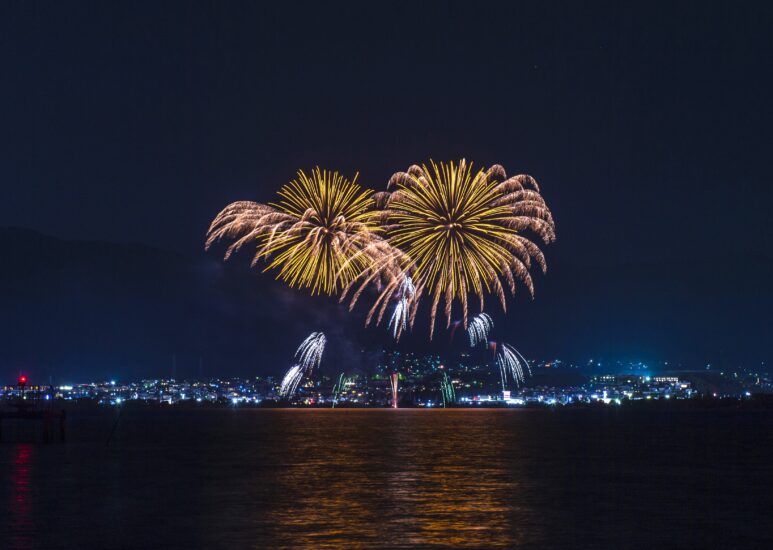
x=392, y=479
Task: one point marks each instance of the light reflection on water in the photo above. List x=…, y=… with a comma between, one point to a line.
x=22, y=531
x=390, y=479
x=398, y=480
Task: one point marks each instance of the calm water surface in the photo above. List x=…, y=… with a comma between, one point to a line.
x=391, y=479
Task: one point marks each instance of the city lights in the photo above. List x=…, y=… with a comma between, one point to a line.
x=407, y=379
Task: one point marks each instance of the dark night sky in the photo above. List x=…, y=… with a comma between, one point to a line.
x=648, y=126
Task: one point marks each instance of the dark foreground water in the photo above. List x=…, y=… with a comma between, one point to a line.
x=384, y=478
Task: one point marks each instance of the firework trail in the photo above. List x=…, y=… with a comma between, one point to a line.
x=393, y=380
x=447, y=390
x=511, y=363
x=321, y=235
x=457, y=232
x=479, y=328
x=309, y=353
x=308, y=356
x=342, y=381
x=399, y=320
x=291, y=380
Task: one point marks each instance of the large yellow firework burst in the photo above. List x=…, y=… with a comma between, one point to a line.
x=460, y=233
x=321, y=235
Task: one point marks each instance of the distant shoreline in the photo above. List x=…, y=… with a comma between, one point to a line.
x=756, y=402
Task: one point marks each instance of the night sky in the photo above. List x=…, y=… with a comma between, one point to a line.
x=648, y=128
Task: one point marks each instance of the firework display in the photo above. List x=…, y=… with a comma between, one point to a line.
x=308, y=356
x=458, y=233
x=321, y=235
x=343, y=380
x=447, y=390
x=479, y=329
x=399, y=319
x=309, y=353
x=441, y=231
x=511, y=363
x=291, y=380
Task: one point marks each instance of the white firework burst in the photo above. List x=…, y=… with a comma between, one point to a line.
x=309, y=353
x=291, y=380
x=479, y=328
x=309, y=356
x=512, y=363
x=399, y=320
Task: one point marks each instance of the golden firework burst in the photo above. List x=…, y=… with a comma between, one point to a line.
x=321, y=235
x=460, y=234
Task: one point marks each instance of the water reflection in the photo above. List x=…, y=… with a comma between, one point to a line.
x=391, y=478
x=413, y=488
x=21, y=524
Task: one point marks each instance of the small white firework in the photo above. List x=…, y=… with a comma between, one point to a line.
x=309, y=356
x=399, y=320
x=309, y=353
x=512, y=363
x=479, y=328
x=291, y=380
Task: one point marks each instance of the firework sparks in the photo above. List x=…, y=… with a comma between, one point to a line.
x=291, y=380
x=308, y=356
x=339, y=387
x=459, y=233
x=309, y=353
x=399, y=320
x=511, y=363
x=321, y=235
x=446, y=232
x=479, y=328
x=447, y=390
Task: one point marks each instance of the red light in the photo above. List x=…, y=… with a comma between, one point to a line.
x=22, y=380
